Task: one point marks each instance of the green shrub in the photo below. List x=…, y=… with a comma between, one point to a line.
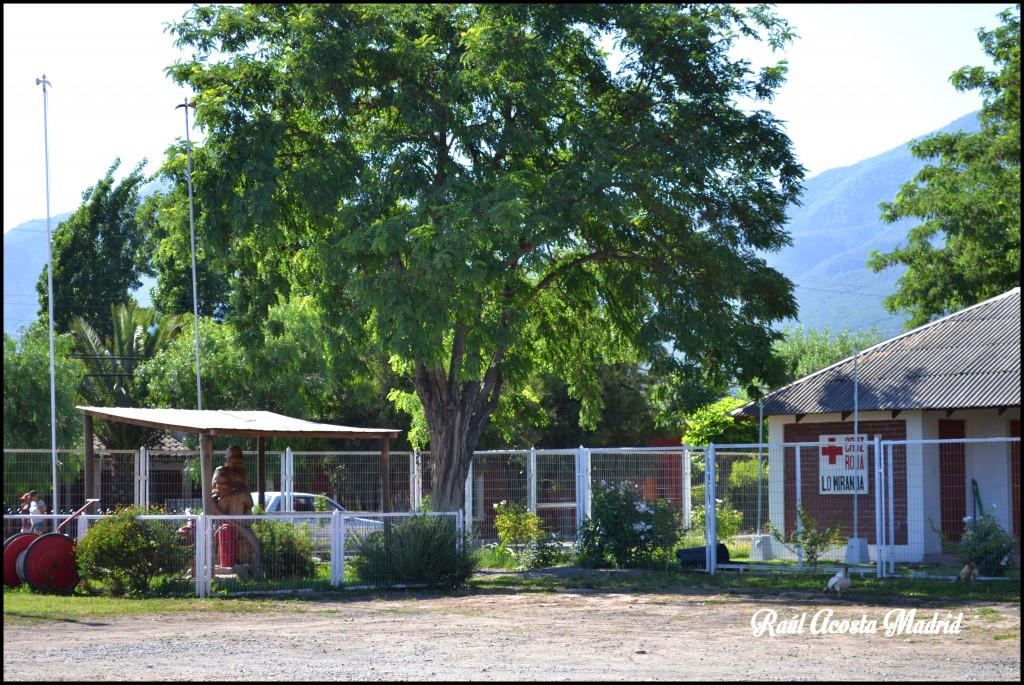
x=542, y=552
x=125, y=554
x=416, y=550
x=516, y=525
x=727, y=521
x=987, y=545
x=286, y=549
x=623, y=529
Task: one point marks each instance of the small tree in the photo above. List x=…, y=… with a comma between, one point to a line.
x=624, y=530
x=516, y=525
x=808, y=536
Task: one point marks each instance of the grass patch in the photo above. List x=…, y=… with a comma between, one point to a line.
x=21, y=604
x=987, y=614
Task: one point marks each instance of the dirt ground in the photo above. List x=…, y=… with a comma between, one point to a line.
x=572, y=635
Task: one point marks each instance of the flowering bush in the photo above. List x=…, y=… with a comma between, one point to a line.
x=126, y=553
x=623, y=529
x=986, y=544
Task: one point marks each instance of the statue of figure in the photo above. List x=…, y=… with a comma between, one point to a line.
x=231, y=497
x=231, y=485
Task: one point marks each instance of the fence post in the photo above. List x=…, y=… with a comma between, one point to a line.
x=892, y=514
x=460, y=527
x=144, y=478
x=287, y=480
x=469, y=495
x=582, y=486
x=531, y=480
x=337, y=548
x=710, y=511
x=686, y=498
x=203, y=572
x=879, y=509
x=799, y=504
x=415, y=481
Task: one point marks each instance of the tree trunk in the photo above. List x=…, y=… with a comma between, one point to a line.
x=456, y=412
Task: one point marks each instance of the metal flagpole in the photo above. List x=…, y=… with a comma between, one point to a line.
x=760, y=457
x=49, y=286
x=192, y=228
x=856, y=443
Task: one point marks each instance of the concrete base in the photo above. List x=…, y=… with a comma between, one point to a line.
x=761, y=548
x=857, y=551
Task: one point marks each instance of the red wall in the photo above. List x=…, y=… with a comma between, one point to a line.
x=839, y=508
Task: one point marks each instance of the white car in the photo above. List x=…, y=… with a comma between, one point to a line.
x=305, y=502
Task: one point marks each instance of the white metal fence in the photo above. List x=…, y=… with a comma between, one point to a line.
x=892, y=502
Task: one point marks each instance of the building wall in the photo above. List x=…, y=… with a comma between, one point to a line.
x=827, y=508
x=915, y=470
x=988, y=465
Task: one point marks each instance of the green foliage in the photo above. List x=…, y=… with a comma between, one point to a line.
x=523, y=539
x=807, y=350
x=624, y=530
x=516, y=525
x=126, y=553
x=744, y=472
x=727, y=520
x=27, y=412
x=543, y=551
x=573, y=217
x=985, y=544
x=98, y=255
x=967, y=248
x=286, y=549
x=550, y=413
x=416, y=550
x=313, y=378
x=809, y=537
x=712, y=423
x=988, y=545
x=136, y=334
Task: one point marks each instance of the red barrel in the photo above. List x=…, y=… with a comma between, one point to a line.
x=227, y=537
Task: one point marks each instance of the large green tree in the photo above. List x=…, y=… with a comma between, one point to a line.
x=297, y=371
x=27, y=410
x=98, y=258
x=967, y=248
x=485, y=191
x=167, y=226
x=806, y=350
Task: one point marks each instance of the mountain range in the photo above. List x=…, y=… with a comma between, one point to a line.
x=833, y=229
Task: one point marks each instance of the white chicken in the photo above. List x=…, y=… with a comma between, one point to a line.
x=838, y=583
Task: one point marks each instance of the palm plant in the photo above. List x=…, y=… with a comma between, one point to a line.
x=137, y=335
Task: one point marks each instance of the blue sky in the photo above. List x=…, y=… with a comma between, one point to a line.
x=863, y=79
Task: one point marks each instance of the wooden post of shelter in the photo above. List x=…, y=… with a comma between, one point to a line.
x=90, y=459
x=206, y=469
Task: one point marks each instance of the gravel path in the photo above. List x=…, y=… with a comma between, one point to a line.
x=573, y=635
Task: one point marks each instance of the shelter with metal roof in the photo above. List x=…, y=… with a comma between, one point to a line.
x=955, y=378
x=208, y=423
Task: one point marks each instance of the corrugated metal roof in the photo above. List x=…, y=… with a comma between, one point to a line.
x=232, y=422
x=964, y=360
